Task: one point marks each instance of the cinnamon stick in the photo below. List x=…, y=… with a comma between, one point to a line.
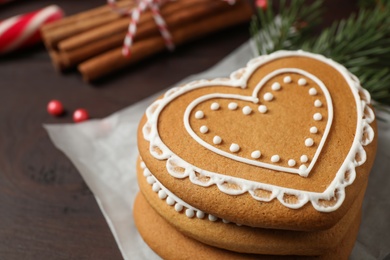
x=69, y=59
x=77, y=17
x=57, y=60
x=113, y=60
x=147, y=29
x=53, y=33
x=122, y=24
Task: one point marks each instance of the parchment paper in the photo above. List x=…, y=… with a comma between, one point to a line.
x=105, y=151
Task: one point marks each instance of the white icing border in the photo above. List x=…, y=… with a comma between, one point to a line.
x=344, y=177
x=174, y=201
x=301, y=171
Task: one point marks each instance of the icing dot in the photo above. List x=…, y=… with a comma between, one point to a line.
x=143, y=165
x=214, y=106
x=302, y=82
x=247, y=110
x=178, y=207
x=317, y=103
x=256, y=154
x=317, y=116
x=170, y=201
x=291, y=162
x=199, y=214
x=309, y=142
x=234, y=148
x=232, y=106
x=275, y=86
x=275, y=158
x=304, y=158
x=162, y=194
x=313, y=130
x=268, y=96
x=212, y=218
x=217, y=139
x=263, y=109
x=312, y=92
x=199, y=114
x=150, y=180
x=155, y=187
x=302, y=168
x=203, y=129
x=287, y=79
x=190, y=213
x=146, y=172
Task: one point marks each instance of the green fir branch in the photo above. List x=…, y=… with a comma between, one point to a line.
x=361, y=42
x=274, y=31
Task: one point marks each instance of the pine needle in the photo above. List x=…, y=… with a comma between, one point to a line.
x=273, y=31
x=361, y=42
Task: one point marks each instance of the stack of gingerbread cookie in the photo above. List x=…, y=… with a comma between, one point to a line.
x=270, y=163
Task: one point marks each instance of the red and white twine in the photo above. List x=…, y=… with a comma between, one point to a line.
x=135, y=13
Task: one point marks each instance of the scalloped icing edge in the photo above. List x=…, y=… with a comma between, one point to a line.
x=335, y=192
x=172, y=200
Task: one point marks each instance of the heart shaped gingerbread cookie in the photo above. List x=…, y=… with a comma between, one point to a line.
x=291, y=127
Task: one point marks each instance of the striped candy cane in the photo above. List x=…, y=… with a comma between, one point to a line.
x=135, y=13
x=23, y=30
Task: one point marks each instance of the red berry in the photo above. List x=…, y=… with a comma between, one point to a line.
x=55, y=108
x=263, y=4
x=80, y=115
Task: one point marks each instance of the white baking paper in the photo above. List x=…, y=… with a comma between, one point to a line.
x=105, y=152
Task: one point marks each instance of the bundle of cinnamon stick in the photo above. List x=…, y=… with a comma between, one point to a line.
x=92, y=41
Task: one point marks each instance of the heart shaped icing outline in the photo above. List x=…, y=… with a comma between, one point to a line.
x=254, y=99
x=344, y=177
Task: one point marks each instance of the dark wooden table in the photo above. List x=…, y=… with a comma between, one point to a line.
x=46, y=209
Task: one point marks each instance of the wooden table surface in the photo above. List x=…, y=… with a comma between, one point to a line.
x=46, y=209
